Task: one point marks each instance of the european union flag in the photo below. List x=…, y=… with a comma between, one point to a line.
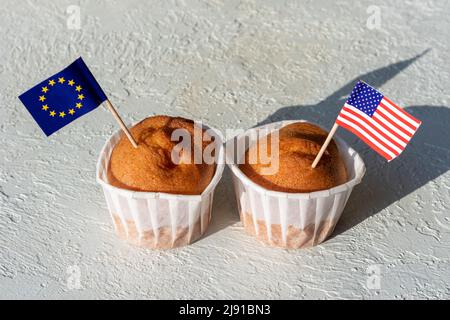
x=64, y=97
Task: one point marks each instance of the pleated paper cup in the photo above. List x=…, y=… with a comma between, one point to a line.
x=154, y=219
x=289, y=220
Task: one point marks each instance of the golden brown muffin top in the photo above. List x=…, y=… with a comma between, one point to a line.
x=299, y=144
x=149, y=167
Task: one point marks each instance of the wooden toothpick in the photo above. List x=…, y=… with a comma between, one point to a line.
x=121, y=123
x=325, y=145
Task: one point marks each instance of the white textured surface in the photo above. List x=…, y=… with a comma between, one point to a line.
x=232, y=64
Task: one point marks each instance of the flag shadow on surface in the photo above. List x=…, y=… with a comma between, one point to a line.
x=426, y=157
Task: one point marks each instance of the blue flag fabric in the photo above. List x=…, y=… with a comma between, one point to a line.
x=64, y=97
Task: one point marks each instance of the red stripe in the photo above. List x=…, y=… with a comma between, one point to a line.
x=396, y=116
x=381, y=123
x=387, y=119
x=369, y=124
x=367, y=141
x=371, y=135
x=403, y=111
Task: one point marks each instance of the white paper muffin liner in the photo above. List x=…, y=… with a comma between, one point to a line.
x=155, y=219
x=290, y=220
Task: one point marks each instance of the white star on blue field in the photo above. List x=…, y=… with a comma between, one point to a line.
x=365, y=98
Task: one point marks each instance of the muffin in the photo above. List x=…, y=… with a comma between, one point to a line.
x=159, y=195
x=150, y=167
x=299, y=144
x=294, y=206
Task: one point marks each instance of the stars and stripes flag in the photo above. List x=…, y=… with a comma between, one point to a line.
x=379, y=122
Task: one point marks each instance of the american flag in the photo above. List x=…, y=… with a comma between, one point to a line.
x=379, y=122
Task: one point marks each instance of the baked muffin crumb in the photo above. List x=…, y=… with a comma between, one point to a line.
x=299, y=144
x=149, y=167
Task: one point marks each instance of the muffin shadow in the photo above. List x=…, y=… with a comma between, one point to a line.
x=225, y=211
x=425, y=159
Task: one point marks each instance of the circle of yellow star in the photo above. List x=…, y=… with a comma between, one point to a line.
x=61, y=80
x=44, y=89
x=62, y=114
x=42, y=98
x=45, y=107
x=71, y=111
x=78, y=88
x=71, y=83
x=80, y=96
x=52, y=113
x=78, y=105
x=51, y=82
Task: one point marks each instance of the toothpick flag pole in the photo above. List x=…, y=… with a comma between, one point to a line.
x=325, y=145
x=121, y=124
